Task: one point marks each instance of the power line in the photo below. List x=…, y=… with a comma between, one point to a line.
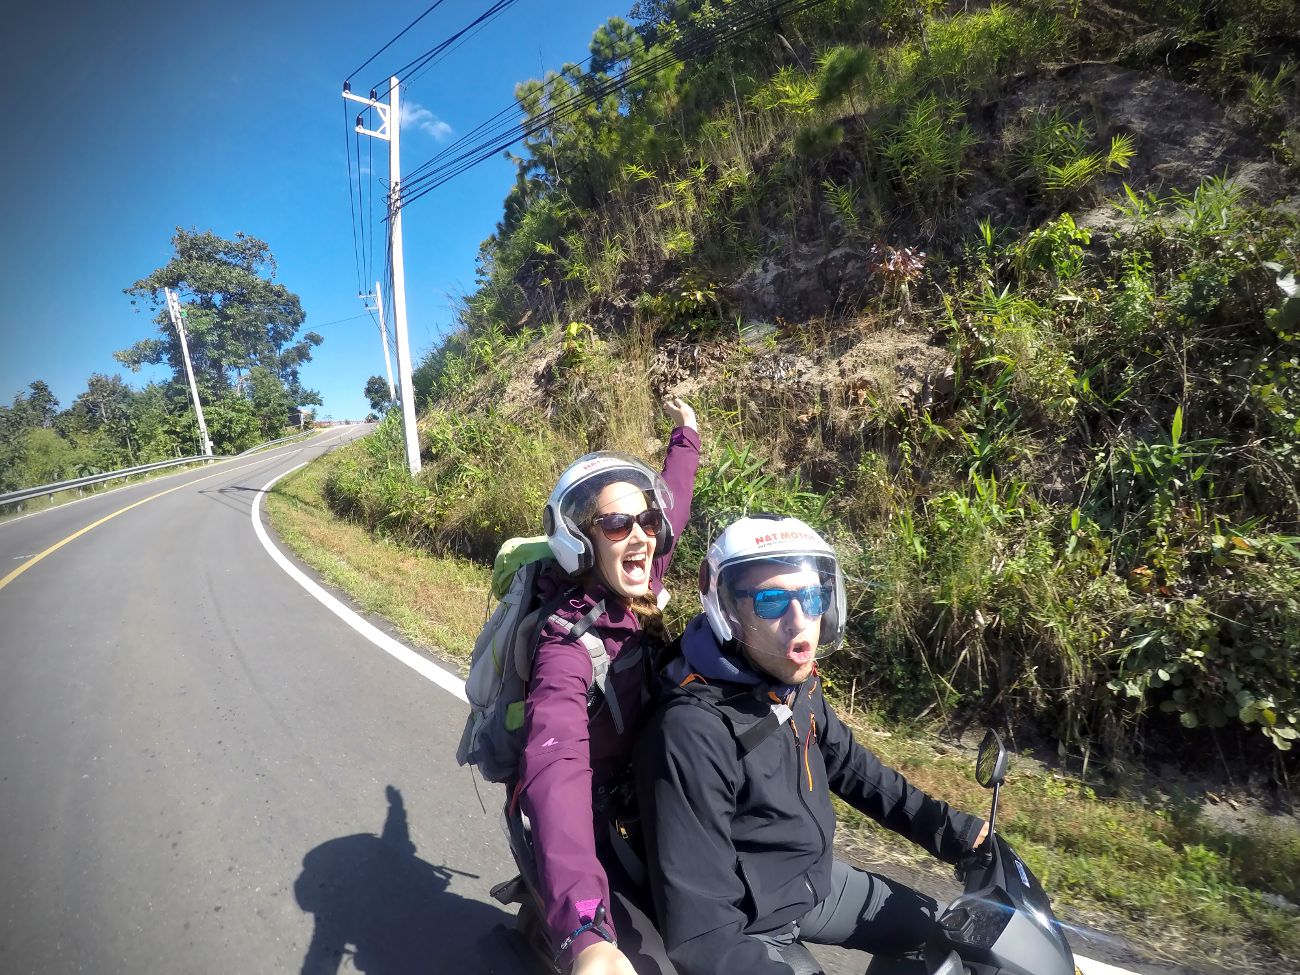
x=494, y=143
x=412, y=66
x=339, y=321
x=431, y=178
x=361, y=210
x=432, y=8
x=495, y=122
x=694, y=43
x=416, y=75
x=370, y=258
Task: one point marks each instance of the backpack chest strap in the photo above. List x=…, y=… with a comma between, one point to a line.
x=600, y=665
x=750, y=736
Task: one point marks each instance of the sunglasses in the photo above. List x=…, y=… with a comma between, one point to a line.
x=618, y=525
x=771, y=604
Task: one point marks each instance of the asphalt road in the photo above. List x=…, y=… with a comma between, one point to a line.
x=204, y=770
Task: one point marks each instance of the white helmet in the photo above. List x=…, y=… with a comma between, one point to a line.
x=576, y=489
x=790, y=545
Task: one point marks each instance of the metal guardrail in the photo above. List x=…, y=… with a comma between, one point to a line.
x=272, y=443
x=28, y=494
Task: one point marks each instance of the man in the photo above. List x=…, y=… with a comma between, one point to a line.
x=736, y=768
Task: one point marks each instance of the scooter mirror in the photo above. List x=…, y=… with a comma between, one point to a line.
x=991, y=765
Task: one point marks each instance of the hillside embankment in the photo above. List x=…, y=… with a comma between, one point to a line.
x=1003, y=299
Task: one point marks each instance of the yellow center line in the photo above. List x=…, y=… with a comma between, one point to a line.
x=77, y=534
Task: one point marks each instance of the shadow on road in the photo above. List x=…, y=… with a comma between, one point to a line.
x=387, y=911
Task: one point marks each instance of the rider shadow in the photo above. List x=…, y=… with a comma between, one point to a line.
x=387, y=911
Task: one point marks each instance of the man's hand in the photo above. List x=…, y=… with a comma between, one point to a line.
x=602, y=958
x=984, y=834
x=679, y=412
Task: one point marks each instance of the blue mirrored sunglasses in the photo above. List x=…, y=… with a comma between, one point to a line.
x=771, y=604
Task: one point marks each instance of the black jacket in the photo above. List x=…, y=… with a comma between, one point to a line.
x=740, y=842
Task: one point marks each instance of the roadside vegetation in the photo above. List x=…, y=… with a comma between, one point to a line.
x=242, y=330
x=1003, y=298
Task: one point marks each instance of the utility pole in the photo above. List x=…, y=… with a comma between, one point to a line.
x=178, y=319
x=383, y=337
x=390, y=119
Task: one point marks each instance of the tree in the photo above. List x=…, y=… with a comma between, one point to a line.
x=232, y=422
x=237, y=316
x=48, y=458
x=103, y=412
x=41, y=405
x=377, y=394
x=271, y=401
x=33, y=410
x=13, y=444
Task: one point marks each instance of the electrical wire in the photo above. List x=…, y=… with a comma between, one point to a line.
x=696, y=43
x=495, y=122
x=365, y=241
x=432, y=8
x=416, y=75
x=339, y=321
x=699, y=40
x=370, y=258
x=406, y=70
x=430, y=178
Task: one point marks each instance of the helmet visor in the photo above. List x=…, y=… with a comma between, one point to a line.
x=789, y=606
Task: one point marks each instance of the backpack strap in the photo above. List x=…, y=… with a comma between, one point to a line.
x=759, y=731
x=599, y=657
x=748, y=737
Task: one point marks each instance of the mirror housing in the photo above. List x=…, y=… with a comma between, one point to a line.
x=991, y=765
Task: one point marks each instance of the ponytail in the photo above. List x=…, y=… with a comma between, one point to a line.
x=651, y=617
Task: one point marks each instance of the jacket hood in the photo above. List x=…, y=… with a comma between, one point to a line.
x=701, y=654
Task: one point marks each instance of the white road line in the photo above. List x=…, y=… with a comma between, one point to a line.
x=422, y=665
x=1090, y=967
x=448, y=681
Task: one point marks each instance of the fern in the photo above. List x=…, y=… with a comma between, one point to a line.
x=843, y=200
x=927, y=148
x=1058, y=153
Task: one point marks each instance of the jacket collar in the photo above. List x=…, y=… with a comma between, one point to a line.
x=704, y=656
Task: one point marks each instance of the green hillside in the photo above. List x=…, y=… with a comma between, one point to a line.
x=994, y=294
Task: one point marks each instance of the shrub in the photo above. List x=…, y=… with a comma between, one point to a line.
x=927, y=149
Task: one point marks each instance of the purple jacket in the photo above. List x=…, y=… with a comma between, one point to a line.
x=566, y=756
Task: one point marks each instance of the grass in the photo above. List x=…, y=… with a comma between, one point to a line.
x=1150, y=869
x=434, y=601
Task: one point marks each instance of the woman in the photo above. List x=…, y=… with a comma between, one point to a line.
x=611, y=523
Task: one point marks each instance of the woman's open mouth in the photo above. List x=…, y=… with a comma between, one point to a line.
x=636, y=568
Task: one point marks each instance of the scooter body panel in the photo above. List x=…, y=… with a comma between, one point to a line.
x=1003, y=924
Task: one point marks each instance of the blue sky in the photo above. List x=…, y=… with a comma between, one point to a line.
x=130, y=119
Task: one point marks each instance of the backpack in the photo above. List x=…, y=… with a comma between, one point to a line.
x=502, y=664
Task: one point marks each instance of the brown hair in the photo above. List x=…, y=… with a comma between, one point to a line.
x=651, y=617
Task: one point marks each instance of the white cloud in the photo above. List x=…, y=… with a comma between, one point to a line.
x=417, y=116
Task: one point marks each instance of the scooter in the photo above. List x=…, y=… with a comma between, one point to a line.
x=1001, y=925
